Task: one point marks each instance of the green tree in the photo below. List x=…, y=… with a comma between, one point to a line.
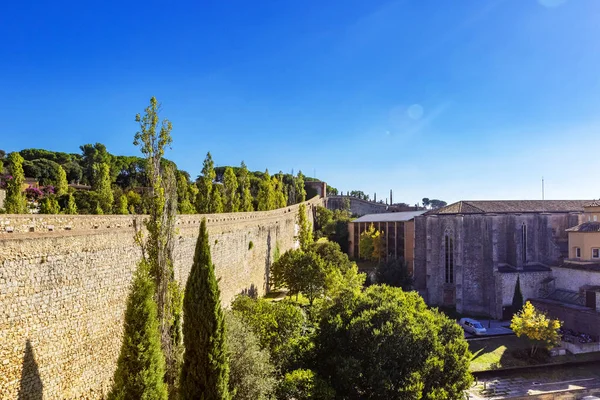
x=184, y=194
x=49, y=205
x=300, y=271
x=251, y=373
x=394, y=272
x=244, y=187
x=536, y=326
x=232, y=197
x=216, y=205
x=93, y=155
x=305, y=231
x=62, y=186
x=279, y=188
x=141, y=364
x=205, y=369
x=70, y=205
x=400, y=349
x=15, y=202
x=279, y=326
x=101, y=185
x=371, y=245
x=266, y=194
x=121, y=206
x=300, y=190
x=205, y=186
x=517, y=301
x=157, y=248
x=304, y=384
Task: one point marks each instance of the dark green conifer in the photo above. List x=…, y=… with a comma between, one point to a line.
x=141, y=366
x=517, y=302
x=205, y=372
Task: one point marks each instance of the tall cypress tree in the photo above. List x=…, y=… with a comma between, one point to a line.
x=244, y=188
x=15, y=202
x=205, y=372
x=140, y=370
x=517, y=302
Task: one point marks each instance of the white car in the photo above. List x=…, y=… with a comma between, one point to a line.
x=472, y=326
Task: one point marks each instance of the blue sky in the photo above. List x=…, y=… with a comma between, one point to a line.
x=469, y=99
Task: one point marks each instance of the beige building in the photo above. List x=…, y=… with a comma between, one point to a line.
x=584, y=239
x=398, y=229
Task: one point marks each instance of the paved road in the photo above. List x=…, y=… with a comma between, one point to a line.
x=493, y=328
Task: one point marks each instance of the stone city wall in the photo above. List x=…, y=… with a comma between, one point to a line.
x=64, y=282
x=357, y=206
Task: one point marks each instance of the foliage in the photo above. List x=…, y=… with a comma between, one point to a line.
x=279, y=327
x=184, y=194
x=304, y=384
x=517, y=301
x=61, y=186
x=280, y=196
x=87, y=202
x=400, y=348
x=141, y=364
x=157, y=249
x=305, y=234
x=15, y=200
x=70, y=206
x=266, y=194
x=300, y=271
x=251, y=374
x=49, y=205
x=371, y=244
x=359, y=194
x=135, y=203
x=244, y=187
x=205, y=186
x=93, y=155
x=230, y=185
x=323, y=219
x=300, y=191
x=217, y=200
x=394, y=272
x=205, y=369
x=101, y=185
x=536, y=326
x=121, y=206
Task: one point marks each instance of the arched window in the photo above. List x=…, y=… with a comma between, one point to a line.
x=449, y=258
x=524, y=243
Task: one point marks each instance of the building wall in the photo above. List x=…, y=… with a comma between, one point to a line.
x=578, y=318
x=586, y=241
x=591, y=214
x=64, y=285
x=409, y=245
x=482, y=243
x=357, y=206
x=530, y=282
x=398, y=236
x=574, y=279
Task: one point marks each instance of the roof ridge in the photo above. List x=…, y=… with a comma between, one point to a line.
x=471, y=205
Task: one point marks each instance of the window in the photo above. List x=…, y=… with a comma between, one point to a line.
x=595, y=253
x=449, y=258
x=595, y=218
x=524, y=243
x=577, y=252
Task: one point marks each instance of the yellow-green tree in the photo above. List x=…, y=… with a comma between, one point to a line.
x=305, y=230
x=372, y=244
x=536, y=326
x=15, y=202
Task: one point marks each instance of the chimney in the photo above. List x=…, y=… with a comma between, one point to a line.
x=391, y=201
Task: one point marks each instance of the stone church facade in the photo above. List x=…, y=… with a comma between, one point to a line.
x=468, y=254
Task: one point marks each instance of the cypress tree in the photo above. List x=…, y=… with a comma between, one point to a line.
x=244, y=188
x=15, y=202
x=205, y=372
x=141, y=365
x=517, y=302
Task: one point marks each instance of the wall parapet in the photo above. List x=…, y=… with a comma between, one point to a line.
x=23, y=225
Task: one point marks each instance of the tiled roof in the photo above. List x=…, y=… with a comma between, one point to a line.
x=591, y=226
x=390, y=217
x=595, y=203
x=510, y=206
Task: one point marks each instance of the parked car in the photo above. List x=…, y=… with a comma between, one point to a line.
x=472, y=326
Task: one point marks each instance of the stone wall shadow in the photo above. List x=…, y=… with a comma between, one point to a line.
x=267, y=287
x=31, y=387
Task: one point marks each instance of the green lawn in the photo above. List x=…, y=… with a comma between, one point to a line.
x=497, y=353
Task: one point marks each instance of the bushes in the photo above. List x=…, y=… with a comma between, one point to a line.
x=304, y=384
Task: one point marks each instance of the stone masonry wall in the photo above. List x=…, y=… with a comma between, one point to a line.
x=357, y=206
x=64, y=282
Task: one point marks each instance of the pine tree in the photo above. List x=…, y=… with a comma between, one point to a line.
x=517, y=302
x=205, y=371
x=205, y=185
x=266, y=194
x=244, y=186
x=141, y=365
x=300, y=190
x=15, y=202
x=230, y=184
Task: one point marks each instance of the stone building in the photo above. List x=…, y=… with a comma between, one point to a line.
x=469, y=254
x=398, y=230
